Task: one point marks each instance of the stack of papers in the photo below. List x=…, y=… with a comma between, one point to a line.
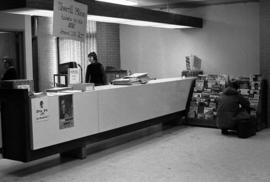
x=136, y=78
x=121, y=81
x=137, y=75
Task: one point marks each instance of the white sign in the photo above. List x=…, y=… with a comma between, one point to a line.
x=24, y=87
x=69, y=19
x=40, y=111
x=74, y=76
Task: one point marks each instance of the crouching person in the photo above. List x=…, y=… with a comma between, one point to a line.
x=232, y=108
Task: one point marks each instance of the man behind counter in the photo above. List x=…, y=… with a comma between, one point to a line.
x=10, y=71
x=95, y=71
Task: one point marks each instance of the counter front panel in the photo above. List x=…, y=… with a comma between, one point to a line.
x=110, y=107
x=128, y=105
x=85, y=121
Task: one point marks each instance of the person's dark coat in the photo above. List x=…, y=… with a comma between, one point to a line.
x=10, y=74
x=95, y=74
x=229, y=111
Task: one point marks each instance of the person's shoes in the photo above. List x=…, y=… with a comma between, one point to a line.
x=224, y=132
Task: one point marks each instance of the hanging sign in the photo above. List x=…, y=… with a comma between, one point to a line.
x=69, y=19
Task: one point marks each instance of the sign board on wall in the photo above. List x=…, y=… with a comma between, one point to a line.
x=69, y=19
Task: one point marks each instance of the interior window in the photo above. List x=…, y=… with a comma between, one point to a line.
x=76, y=51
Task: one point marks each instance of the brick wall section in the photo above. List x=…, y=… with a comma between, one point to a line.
x=108, y=44
x=265, y=46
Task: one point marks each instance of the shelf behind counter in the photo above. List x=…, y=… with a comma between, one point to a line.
x=107, y=111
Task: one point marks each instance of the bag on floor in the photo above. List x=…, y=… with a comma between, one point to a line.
x=246, y=128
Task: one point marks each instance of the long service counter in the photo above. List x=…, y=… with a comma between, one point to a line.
x=104, y=112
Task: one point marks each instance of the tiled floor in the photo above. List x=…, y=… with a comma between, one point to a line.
x=177, y=154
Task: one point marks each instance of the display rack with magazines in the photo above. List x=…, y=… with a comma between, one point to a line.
x=208, y=88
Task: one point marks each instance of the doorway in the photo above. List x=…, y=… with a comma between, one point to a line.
x=11, y=45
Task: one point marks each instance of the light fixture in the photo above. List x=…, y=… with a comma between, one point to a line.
x=107, y=12
x=32, y=12
x=122, y=2
x=133, y=22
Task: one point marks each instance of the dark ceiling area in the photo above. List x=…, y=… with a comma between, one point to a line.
x=173, y=4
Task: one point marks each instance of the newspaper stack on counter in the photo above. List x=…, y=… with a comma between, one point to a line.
x=135, y=78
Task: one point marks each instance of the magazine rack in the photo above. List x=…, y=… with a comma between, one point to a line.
x=207, y=88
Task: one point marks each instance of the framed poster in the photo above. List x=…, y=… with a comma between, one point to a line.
x=66, y=119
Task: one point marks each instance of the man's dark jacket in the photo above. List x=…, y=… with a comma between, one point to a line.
x=229, y=110
x=10, y=74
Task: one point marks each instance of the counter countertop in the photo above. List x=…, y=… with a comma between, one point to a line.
x=161, y=80
x=108, y=87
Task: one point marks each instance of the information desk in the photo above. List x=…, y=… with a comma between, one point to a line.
x=33, y=128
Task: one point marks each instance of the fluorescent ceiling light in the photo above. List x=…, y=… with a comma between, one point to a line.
x=122, y=2
x=133, y=22
x=31, y=12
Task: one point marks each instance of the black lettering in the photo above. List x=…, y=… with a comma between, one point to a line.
x=79, y=12
x=64, y=32
x=66, y=18
x=66, y=9
x=71, y=25
x=80, y=35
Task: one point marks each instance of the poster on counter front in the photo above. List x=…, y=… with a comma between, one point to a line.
x=69, y=19
x=40, y=111
x=66, y=119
